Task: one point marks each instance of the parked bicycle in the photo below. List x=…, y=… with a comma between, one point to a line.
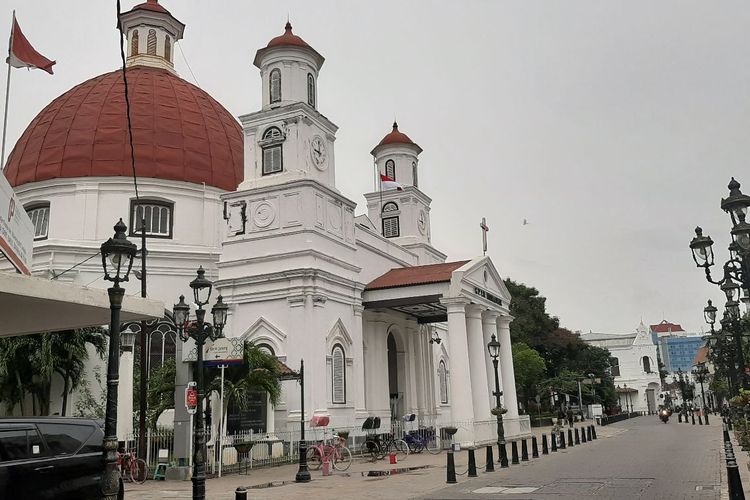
x=132, y=468
x=337, y=454
x=424, y=438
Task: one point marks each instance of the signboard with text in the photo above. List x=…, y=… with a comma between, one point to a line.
x=191, y=398
x=224, y=351
x=16, y=229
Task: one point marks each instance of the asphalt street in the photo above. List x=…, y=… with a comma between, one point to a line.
x=647, y=460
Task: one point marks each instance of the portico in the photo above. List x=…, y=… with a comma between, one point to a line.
x=457, y=305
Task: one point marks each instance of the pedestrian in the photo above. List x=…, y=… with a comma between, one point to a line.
x=570, y=417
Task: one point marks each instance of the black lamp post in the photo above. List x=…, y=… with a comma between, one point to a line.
x=700, y=373
x=303, y=473
x=117, y=259
x=494, y=348
x=200, y=331
x=736, y=270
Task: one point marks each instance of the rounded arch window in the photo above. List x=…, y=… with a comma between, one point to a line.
x=443, y=382
x=151, y=43
x=266, y=349
x=414, y=175
x=646, y=364
x=273, y=159
x=390, y=169
x=134, y=43
x=391, y=227
x=168, y=48
x=338, y=374
x=311, y=90
x=274, y=81
x=390, y=207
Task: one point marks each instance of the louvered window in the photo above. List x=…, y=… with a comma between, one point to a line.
x=646, y=364
x=414, y=173
x=39, y=216
x=338, y=374
x=134, y=43
x=614, y=366
x=151, y=43
x=311, y=90
x=390, y=169
x=273, y=161
x=390, y=227
x=168, y=48
x=443, y=381
x=275, y=85
x=157, y=215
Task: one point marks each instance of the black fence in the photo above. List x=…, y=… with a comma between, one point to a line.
x=611, y=419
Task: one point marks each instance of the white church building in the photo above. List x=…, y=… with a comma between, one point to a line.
x=361, y=298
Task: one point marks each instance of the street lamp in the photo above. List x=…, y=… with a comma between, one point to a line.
x=700, y=373
x=494, y=349
x=200, y=331
x=117, y=260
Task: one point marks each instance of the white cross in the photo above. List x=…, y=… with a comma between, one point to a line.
x=485, y=228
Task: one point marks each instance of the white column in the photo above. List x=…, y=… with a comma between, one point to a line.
x=489, y=328
x=412, y=405
x=359, y=363
x=477, y=363
x=506, y=365
x=419, y=372
x=462, y=409
x=125, y=396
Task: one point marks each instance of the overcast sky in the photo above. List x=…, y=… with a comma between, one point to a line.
x=612, y=127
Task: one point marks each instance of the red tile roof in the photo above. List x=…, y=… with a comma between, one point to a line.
x=701, y=356
x=180, y=133
x=285, y=373
x=665, y=326
x=417, y=275
x=396, y=137
x=288, y=38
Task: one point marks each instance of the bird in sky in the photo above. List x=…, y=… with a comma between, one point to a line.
x=525, y=222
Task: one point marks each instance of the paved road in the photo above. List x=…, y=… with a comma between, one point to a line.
x=647, y=460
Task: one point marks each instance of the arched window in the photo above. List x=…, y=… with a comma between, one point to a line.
x=390, y=169
x=273, y=161
x=338, y=374
x=39, y=215
x=391, y=227
x=157, y=215
x=311, y=90
x=151, y=43
x=265, y=348
x=414, y=176
x=274, y=83
x=443, y=382
x=134, y=43
x=168, y=48
x=646, y=364
x=614, y=367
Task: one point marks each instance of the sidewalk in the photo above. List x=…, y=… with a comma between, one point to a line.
x=417, y=475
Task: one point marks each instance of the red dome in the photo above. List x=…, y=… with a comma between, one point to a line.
x=288, y=38
x=180, y=133
x=152, y=5
x=396, y=137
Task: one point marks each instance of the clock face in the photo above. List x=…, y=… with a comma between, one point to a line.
x=318, y=152
x=422, y=222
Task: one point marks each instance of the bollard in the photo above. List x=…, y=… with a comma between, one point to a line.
x=524, y=451
x=562, y=440
x=553, y=441
x=693, y=415
x=240, y=493
x=706, y=416
x=734, y=480
x=700, y=419
x=725, y=432
x=578, y=439
x=679, y=418
x=583, y=435
x=490, y=462
x=570, y=438
x=503, y=455
x=588, y=432
x=514, y=453
x=545, y=450
x=451, y=479
x=534, y=448
x=729, y=423
x=472, y=463
x=593, y=432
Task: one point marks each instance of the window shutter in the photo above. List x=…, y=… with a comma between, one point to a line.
x=390, y=227
x=338, y=368
x=390, y=169
x=443, y=383
x=151, y=43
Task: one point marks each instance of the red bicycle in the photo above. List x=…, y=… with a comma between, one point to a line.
x=132, y=468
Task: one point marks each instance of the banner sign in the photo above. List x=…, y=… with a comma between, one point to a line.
x=16, y=229
x=191, y=398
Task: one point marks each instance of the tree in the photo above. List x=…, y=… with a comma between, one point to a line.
x=69, y=350
x=161, y=387
x=529, y=369
x=532, y=323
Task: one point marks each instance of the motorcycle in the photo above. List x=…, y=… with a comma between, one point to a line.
x=664, y=415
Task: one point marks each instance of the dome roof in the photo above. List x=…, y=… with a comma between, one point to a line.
x=288, y=38
x=180, y=133
x=396, y=137
x=151, y=5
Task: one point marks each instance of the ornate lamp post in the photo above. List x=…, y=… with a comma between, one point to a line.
x=700, y=373
x=736, y=270
x=200, y=331
x=494, y=349
x=117, y=260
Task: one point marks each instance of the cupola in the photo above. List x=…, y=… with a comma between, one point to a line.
x=151, y=32
x=289, y=70
x=397, y=157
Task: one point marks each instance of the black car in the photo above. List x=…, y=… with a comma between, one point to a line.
x=50, y=458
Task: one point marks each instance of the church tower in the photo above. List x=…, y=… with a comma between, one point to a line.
x=288, y=138
x=151, y=32
x=402, y=215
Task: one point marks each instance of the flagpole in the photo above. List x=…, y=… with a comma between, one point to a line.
x=7, y=92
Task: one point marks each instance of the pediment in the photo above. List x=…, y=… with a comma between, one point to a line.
x=263, y=331
x=339, y=334
x=480, y=277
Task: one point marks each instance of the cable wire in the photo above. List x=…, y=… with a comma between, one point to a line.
x=127, y=101
x=55, y=276
x=187, y=64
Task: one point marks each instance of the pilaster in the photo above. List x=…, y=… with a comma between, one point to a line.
x=462, y=408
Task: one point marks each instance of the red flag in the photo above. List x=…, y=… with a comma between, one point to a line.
x=388, y=183
x=23, y=55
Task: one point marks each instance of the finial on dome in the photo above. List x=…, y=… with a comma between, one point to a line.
x=395, y=125
x=152, y=1
x=288, y=27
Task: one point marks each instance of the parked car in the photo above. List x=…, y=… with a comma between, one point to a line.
x=51, y=458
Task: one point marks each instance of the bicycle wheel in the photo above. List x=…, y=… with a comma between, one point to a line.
x=138, y=471
x=342, y=458
x=432, y=444
x=314, y=458
x=399, y=448
x=370, y=448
